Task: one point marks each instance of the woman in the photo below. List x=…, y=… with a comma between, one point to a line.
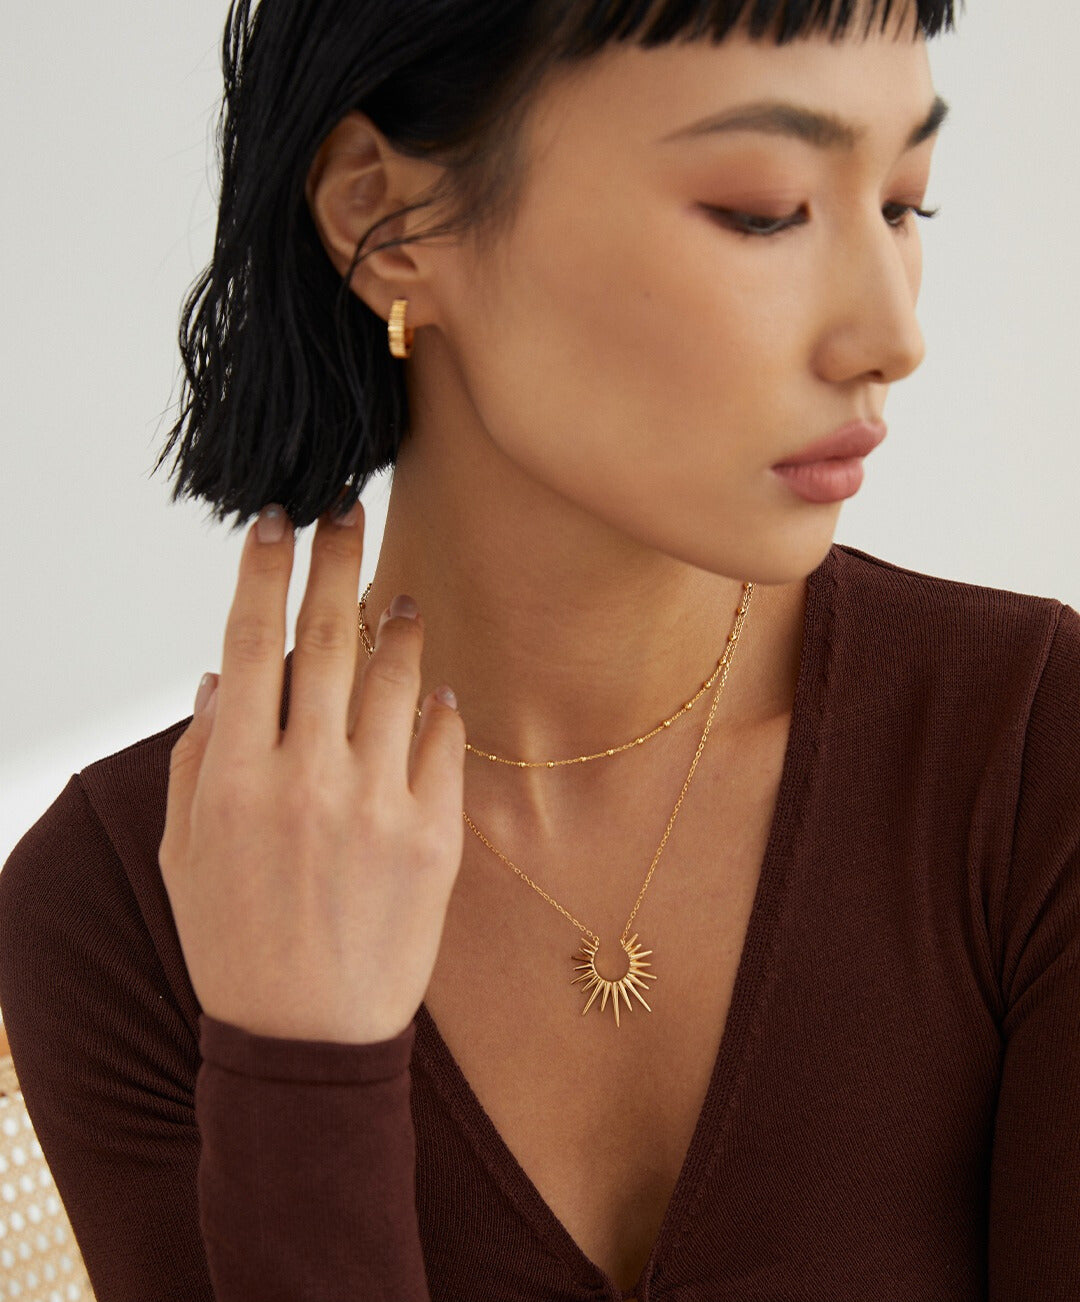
x=290, y=1024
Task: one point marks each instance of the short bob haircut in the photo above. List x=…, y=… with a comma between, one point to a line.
x=290, y=393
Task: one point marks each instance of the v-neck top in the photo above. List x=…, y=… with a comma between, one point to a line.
x=894, y=1109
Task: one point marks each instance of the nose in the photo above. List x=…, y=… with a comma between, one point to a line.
x=868, y=295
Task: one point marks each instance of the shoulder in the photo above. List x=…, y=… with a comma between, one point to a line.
x=945, y=607
x=81, y=892
x=959, y=646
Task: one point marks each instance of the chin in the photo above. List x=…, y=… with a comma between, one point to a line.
x=787, y=555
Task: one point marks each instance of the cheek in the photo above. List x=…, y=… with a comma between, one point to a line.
x=650, y=361
x=646, y=323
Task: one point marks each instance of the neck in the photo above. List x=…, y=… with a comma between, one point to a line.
x=562, y=637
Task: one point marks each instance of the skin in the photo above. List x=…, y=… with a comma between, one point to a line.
x=596, y=407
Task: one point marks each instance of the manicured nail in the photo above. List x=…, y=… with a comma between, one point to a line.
x=403, y=605
x=271, y=525
x=446, y=695
x=350, y=517
x=207, y=689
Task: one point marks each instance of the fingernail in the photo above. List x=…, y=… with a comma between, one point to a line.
x=350, y=517
x=446, y=695
x=207, y=689
x=403, y=605
x=271, y=525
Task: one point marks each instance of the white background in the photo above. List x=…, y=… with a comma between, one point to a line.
x=113, y=602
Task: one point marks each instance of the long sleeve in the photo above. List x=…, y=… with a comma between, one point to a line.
x=307, y=1180
x=1034, y=1245
x=196, y=1163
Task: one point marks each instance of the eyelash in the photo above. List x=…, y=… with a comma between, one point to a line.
x=738, y=222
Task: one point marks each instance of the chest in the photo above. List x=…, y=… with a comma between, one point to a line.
x=598, y=1117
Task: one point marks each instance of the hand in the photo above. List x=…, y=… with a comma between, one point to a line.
x=309, y=871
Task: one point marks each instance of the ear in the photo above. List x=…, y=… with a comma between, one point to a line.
x=355, y=180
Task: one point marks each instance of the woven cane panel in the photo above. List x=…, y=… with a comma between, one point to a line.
x=39, y=1258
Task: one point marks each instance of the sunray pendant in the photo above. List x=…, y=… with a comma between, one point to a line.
x=635, y=976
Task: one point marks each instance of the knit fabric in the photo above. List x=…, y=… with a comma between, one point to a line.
x=894, y=1111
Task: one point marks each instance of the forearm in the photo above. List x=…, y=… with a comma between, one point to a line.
x=307, y=1172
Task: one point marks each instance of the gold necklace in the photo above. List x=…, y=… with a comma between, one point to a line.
x=578, y=759
x=636, y=976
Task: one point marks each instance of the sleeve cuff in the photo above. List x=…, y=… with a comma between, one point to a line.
x=317, y=1062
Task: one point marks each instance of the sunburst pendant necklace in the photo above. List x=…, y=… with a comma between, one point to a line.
x=636, y=977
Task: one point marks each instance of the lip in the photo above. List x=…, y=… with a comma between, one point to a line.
x=858, y=438
x=824, y=481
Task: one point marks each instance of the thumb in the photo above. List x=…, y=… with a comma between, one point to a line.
x=185, y=763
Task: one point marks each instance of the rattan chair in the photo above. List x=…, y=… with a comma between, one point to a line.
x=39, y=1258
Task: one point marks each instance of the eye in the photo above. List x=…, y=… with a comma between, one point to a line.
x=756, y=225
x=905, y=208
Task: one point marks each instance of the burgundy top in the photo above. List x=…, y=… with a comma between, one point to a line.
x=894, y=1112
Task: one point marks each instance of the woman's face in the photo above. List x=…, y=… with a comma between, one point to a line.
x=641, y=357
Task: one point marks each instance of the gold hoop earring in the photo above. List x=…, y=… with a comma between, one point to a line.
x=401, y=337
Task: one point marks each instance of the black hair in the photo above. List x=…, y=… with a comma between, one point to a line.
x=289, y=391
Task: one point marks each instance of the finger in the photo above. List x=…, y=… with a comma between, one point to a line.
x=362, y=657
x=438, y=765
x=388, y=697
x=327, y=643
x=253, y=660
x=185, y=765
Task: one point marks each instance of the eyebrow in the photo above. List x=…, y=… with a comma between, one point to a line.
x=822, y=130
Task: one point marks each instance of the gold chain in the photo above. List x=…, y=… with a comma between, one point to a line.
x=748, y=588
x=578, y=759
